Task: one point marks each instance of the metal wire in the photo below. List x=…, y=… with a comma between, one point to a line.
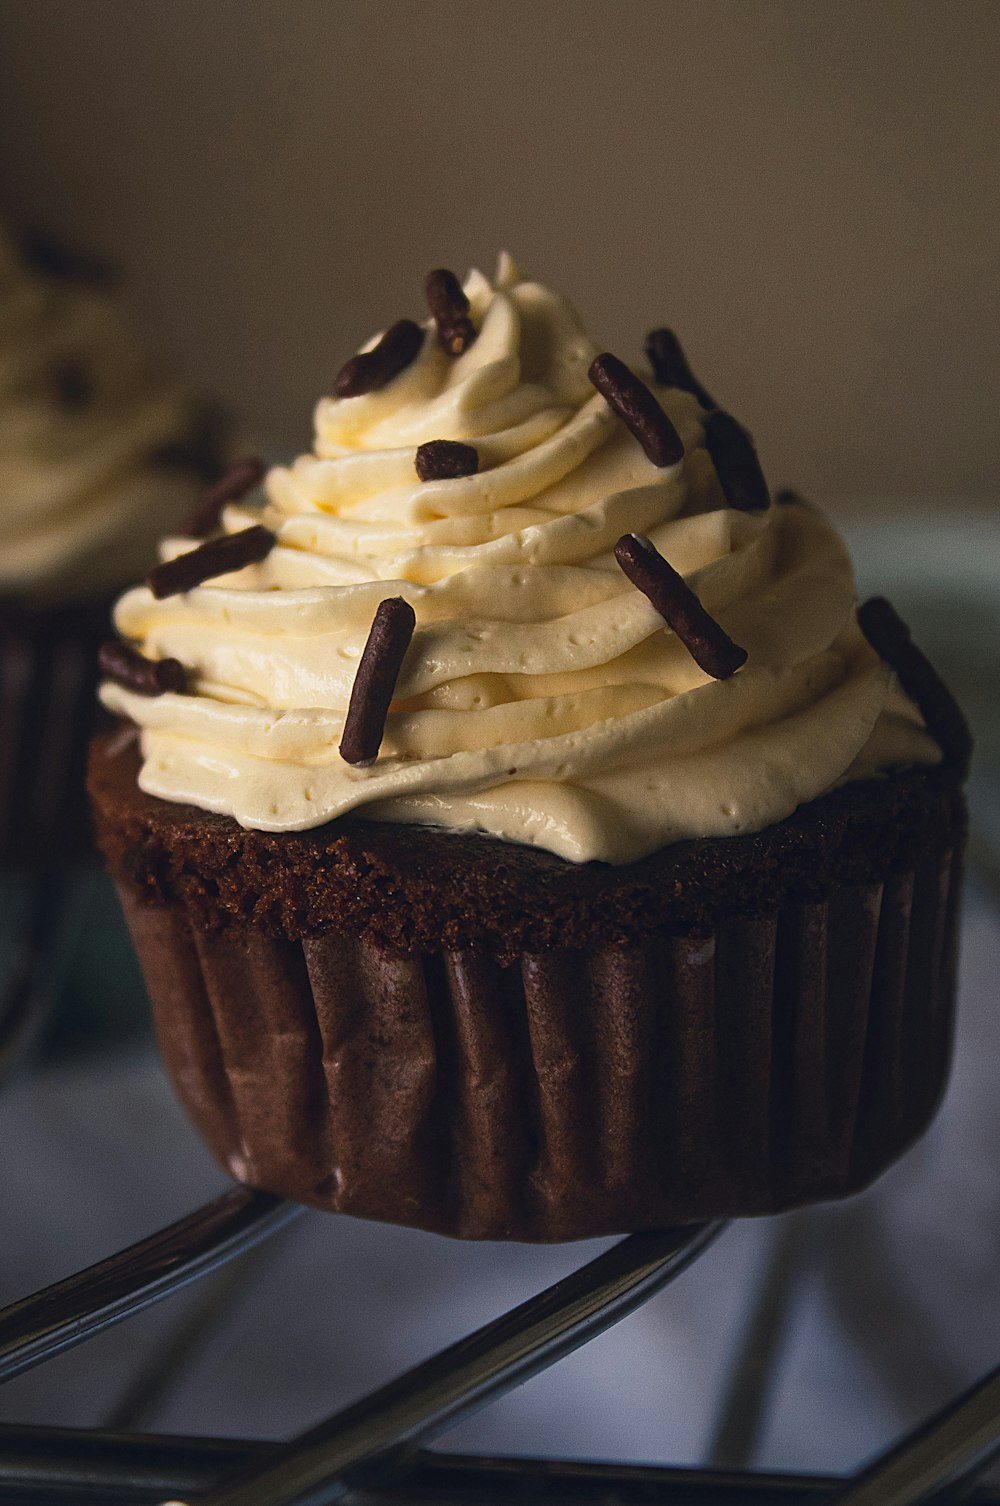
x=107, y=1465
x=162, y=1369
x=744, y=1405
x=943, y=1453
x=63, y=1315
x=322, y=1464
x=61, y=1467
x=358, y=1449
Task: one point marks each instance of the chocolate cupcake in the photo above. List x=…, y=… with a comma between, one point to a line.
x=98, y=455
x=538, y=845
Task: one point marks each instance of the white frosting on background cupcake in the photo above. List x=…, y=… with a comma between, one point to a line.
x=83, y=414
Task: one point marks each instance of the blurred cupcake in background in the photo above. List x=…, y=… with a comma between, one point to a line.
x=100, y=454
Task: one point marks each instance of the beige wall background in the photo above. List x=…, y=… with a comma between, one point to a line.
x=807, y=192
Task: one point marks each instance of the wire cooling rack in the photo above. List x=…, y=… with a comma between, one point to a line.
x=374, y=1452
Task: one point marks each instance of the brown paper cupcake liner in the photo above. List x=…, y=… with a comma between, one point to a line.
x=774, y=1060
x=48, y=714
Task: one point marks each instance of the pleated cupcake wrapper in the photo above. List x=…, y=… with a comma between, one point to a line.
x=48, y=713
x=779, y=1060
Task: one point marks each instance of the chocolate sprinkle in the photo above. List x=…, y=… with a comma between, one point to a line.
x=240, y=479
x=139, y=674
x=446, y=460
x=709, y=646
x=670, y=367
x=450, y=307
x=200, y=448
x=72, y=385
x=374, y=369
x=736, y=463
x=64, y=263
x=217, y=557
x=890, y=638
x=789, y=498
x=375, y=681
x=637, y=408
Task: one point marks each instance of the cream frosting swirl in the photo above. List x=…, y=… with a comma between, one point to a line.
x=542, y=699
x=82, y=503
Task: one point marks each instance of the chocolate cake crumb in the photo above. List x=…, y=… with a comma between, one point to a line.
x=412, y=889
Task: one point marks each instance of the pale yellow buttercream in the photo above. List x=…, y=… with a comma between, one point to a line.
x=542, y=700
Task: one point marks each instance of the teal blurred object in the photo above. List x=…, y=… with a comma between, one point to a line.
x=102, y=996
x=69, y=979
